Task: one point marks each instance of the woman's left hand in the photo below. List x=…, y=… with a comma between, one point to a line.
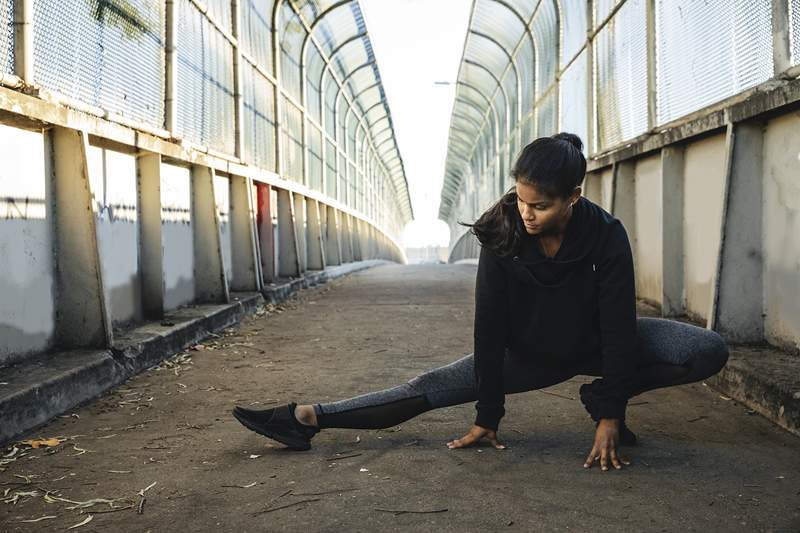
x=606, y=442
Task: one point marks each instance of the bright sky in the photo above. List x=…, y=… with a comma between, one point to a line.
x=418, y=43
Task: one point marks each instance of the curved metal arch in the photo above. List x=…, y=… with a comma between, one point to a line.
x=328, y=61
x=499, y=86
x=469, y=119
x=513, y=61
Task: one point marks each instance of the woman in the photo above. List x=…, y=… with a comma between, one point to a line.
x=554, y=298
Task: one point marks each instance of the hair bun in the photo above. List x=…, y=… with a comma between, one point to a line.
x=571, y=138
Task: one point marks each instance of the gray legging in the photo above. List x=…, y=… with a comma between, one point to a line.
x=670, y=353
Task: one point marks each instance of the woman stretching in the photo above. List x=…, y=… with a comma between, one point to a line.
x=554, y=298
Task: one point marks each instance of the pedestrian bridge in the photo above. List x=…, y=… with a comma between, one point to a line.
x=167, y=162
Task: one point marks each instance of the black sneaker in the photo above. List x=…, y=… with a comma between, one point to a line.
x=626, y=436
x=278, y=424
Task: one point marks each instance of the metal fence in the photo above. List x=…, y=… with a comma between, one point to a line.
x=607, y=70
x=290, y=86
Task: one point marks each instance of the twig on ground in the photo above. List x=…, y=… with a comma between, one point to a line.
x=332, y=491
x=285, y=506
x=343, y=457
x=397, y=512
x=557, y=395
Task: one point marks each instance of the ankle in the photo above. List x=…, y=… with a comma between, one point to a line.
x=305, y=415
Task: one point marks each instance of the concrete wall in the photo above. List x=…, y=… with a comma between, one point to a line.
x=704, y=178
x=647, y=243
x=112, y=177
x=27, y=283
x=176, y=236
x=781, y=224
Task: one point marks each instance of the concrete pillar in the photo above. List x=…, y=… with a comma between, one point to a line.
x=266, y=236
x=301, y=230
x=738, y=302
x=316, y=246
x=672, y=297
x=624, y=197
x=211, y=285
x=333, y=248
x=355, y=225
x=82, y=316
x=246, y=275
x=151, y=251
x=346, y=234
x=288, y=262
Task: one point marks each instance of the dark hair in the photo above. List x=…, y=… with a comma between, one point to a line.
x=554, y=165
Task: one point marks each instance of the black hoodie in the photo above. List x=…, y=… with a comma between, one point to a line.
x=578, y=306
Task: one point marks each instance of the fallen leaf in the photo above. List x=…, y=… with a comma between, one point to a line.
x=254, y=456
x=38, y=443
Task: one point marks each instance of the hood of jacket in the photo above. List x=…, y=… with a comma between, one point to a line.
x=587, y=228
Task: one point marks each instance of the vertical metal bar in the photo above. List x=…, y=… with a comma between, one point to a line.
x=171, y=66
x=238, y=104
x=23, y=40
x=151, y=251
x=652, y=43
x=276, y=56
x=781, y=49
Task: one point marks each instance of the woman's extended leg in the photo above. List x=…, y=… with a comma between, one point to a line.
x=451, y=384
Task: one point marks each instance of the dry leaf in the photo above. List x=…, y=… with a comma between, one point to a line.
x=37, y=443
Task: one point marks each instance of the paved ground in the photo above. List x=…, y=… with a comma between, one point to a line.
x=704, y=464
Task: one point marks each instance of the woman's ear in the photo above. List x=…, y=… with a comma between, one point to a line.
x=576, y=193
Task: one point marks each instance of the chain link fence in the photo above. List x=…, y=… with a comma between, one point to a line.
x=7, y=36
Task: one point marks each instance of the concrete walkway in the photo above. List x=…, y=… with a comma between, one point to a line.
x=704, y=463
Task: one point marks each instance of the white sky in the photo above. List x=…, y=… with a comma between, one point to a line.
x=417, y=43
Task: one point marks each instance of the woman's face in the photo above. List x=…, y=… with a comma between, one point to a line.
x=541, y=213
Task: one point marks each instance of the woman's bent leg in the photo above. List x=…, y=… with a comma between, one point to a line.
x=675, y=353
x=452, y=384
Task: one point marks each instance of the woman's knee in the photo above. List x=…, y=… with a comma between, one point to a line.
x=713, y=354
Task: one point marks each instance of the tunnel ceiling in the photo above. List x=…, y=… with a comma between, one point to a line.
x=342, y=50
x=511, y=55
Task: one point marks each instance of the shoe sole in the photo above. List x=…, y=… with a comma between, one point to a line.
x=291, y=443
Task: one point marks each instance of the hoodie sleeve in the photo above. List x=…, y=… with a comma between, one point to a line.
x=491, y=324
x=617, y=314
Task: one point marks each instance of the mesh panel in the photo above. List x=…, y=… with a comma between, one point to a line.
x=256, y=36
x=342, y=179
x=106, y=53
x=221, y=11
x=708, y=51
x=259, y=125
x=573, y=108
x=7, y=36
x=794, y=35
x=330, y=170
x=292, y=141
x=546, y=116
x=292, y=35
x=314, y=158
x=621, y=75
x=205, y=81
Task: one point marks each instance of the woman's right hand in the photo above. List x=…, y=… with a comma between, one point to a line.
x=476, y=434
